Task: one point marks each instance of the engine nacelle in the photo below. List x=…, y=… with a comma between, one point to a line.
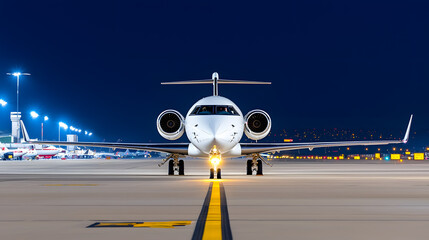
x=170, y=124
x=258, y=124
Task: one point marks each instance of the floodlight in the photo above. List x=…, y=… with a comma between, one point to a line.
x=63, y=125
x=34, y=114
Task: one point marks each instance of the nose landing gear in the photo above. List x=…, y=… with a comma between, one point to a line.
x=215, y=159
x=218, y=173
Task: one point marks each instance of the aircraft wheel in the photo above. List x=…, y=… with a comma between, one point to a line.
x=211, y=173
x=181, y=167
x=218, y=174
x=249, y=167
x=259, y=172
x=170, y=167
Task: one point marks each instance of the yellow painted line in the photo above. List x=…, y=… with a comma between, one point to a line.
x=72, y=185
x=213, y=227
x=163, y=224
x=168, y=224
x=115, y=224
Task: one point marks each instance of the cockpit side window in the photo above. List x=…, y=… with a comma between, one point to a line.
x=232, y=110
x=196, y=109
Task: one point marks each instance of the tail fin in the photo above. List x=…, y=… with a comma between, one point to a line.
x=215, y=81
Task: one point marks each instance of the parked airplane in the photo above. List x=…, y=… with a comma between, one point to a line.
x=44, y=152
x=214, y=126
x=6, y=153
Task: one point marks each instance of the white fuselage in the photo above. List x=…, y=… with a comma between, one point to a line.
x=223, y=127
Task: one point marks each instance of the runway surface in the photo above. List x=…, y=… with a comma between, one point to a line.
x=60, y=199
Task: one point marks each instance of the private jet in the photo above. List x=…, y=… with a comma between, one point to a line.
x=214, y=127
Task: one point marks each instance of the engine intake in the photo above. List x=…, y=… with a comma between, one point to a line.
x=258, y=124
x=170, y=124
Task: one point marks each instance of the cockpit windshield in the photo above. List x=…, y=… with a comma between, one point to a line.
x=214, y=110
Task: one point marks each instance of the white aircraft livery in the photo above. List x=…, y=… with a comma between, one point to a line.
x=214, y=127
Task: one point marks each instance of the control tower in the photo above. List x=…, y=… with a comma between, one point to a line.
x=15, y=117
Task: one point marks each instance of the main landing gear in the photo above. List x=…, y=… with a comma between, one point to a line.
x=175, y=166
x=254, y=166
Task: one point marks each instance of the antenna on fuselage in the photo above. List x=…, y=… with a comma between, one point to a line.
x=215, y=81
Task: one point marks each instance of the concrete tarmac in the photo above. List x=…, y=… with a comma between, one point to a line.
x=59, y=199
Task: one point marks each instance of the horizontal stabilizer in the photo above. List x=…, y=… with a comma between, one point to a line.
x=215, y=81
x=210, y=81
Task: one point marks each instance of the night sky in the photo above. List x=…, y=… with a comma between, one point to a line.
x=98, y=65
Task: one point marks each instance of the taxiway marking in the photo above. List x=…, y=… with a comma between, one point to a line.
x=213, y=222
x=69, y=185
x=168, y=224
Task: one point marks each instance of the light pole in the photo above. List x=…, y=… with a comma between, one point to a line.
x=35, y=115
x=16, y=117
x=17, y=74
x=61, y=125
x=44, y=119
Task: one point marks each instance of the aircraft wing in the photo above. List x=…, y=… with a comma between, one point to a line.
x=180, y=148
x=249, y=148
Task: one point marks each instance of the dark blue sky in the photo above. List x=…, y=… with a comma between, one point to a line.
x=98, y=65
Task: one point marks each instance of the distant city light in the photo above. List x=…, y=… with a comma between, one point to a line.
x=63, y=125
x=46, y=118
x=86, y=132
x=90, y=134
x=3, y=102
x=80, y=130
x=72, y=128
x=34, y=114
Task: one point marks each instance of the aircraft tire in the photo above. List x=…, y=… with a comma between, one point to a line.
x=170, y=167
x=181, y=167
x=249, y=167
x=211, y=173
x=259, y=168
x=218, y=174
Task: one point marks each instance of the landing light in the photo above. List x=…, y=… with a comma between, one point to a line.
x=215, y=160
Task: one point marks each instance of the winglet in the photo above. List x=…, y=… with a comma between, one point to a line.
x=407, y=134
x=24, y=132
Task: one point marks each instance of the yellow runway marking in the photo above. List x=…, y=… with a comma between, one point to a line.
x=69, y=185
x=169, y=224
x=213, y=227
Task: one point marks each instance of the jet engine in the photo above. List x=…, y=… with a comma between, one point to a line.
x=170, y=124
x=258, y=124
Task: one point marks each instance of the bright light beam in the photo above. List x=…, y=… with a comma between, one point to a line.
x=34, y=115
x=63, y=125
